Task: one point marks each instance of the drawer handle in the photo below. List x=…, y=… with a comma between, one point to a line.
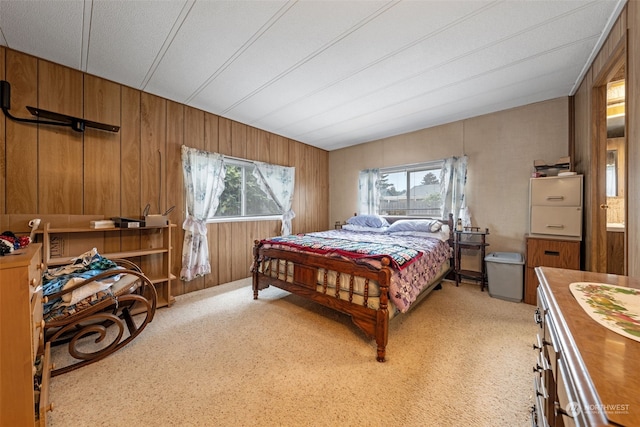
x=532, y=413
x=540, y=343
x=537, y=317
x=554, y=198
x=558, y=226
x=552, y=253
x=34, y=282
x=573, y=408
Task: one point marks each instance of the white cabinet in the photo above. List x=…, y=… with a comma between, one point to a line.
x=556, y=206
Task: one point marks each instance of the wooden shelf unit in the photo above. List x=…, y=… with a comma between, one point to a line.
x=149, y=247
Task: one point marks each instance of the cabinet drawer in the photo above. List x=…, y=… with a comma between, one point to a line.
x=44, y=405
x=37, y=324
x=553, y=253
x=567, y=399
x=556, y=221
x=35, y=270
x=556, y=191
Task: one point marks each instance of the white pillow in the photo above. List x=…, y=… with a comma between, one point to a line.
x=375, y=221
x=416, y=225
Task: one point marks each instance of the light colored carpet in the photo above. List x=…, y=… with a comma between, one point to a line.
x=219, y=358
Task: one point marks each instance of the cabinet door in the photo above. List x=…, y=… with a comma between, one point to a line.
x=556, y=191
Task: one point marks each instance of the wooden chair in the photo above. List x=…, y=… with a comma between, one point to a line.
x=103, y=322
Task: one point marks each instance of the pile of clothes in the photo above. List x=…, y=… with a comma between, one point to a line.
x=9, y=242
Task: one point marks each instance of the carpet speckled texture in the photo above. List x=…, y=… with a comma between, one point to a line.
x=219, y=358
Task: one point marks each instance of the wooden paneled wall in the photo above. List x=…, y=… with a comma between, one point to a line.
x=55, y=170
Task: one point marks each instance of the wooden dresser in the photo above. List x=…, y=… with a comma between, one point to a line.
x=548, y=252
x=586, y=374
x=23, y=360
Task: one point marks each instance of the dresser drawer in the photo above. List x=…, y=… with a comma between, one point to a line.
x=565, y=191
x=556, y=221
x=553, y=253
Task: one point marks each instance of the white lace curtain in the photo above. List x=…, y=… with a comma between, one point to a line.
x=278, y=182
x=453, y=178
x=204, y=175
x=203, y=183
x=368, y=192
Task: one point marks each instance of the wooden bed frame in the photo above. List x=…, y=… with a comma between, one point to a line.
x=373, y=322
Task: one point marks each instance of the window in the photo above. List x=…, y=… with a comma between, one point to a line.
x=412, y=190
x=242, y=195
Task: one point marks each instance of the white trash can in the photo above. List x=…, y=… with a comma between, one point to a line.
x=505, y=275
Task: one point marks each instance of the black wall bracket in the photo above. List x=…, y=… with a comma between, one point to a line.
x=74, y=123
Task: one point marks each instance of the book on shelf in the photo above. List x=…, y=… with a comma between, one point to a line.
x=103, y=223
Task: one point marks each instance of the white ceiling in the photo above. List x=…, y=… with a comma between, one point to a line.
x=328, y=73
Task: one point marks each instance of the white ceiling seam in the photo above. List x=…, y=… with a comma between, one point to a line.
x=313, y=54
x=620, y=4
x=184, y=12
x=326, y=73
x=87, y=9
x=468, y=95
x=249, y=42
x=451, y=103
x=3, y=39
x=392, y=83
x=381, y=59
x=451, y=61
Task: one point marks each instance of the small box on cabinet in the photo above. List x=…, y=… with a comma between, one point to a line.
x=156, y=220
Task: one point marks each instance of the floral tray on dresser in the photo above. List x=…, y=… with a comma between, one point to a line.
x=614, y=307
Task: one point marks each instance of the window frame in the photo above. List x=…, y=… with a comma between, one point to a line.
x=408, y=169
x=244, y=164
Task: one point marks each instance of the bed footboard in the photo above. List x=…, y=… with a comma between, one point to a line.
x=298, y=272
